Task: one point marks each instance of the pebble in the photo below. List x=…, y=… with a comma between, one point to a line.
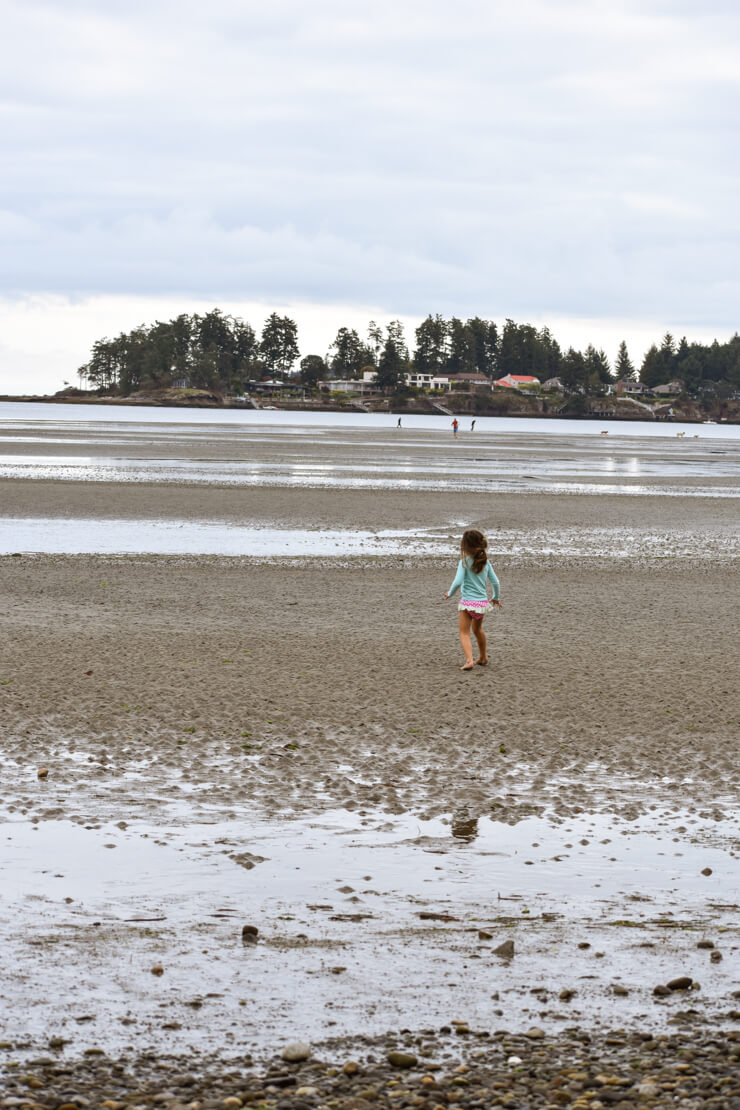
x=661, y=991
x=705, y=944
x=706, y=871
x=505, y=950
x=42, y=773
x=296, y=1052
x=402, y=1060
x=250, y=933
x=681, y=983
x=619, y=990
x=581, y=1070
x=157, y=969
x=715, y=956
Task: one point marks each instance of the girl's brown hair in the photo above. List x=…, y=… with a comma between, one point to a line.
x=474, y=544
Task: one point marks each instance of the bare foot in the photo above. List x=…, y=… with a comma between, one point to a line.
x=468, y=666
x=481, y=662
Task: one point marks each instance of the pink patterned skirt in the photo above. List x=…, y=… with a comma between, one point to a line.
x=477, y=609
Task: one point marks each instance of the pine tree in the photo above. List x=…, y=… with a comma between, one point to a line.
x=431, y=345
x=624, y=369
x=279, y=343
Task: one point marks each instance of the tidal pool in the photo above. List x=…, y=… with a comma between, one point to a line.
x=118, y=932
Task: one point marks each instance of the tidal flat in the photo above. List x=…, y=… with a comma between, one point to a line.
x=286, y=742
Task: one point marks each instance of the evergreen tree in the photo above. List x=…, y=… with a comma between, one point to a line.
x=394, y=358
x=551, y=355
x=573, y=370
x=279, y=343
x=624, y=369
x=374, y=342
x=431, y=346
x=483, y=340
x=245, y=346
x=218, y=352
x=313, y=370
x=461, y=349
x=650, y=369
x=597, y=366
x=350, y=355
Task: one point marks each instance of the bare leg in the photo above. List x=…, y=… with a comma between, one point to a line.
x=464, y=624
x=481, y=638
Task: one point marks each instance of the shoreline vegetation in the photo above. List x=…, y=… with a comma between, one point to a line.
x=472, y=367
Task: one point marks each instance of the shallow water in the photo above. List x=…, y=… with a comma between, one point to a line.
x=305, y=454
x=344, y=901
x=496, y=474
x=177, y=537
x=61, y=535
x=29, y=413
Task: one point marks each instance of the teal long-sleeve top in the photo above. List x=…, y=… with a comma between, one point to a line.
x=472, y=586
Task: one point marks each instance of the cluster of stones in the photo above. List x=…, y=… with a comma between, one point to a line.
x=571, y=1069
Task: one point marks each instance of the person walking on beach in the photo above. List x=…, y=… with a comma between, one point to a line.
x=398, y=425
x=455, y=426
x=474, y=572
x=472, y=425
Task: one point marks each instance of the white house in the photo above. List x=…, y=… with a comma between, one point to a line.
x=418, y=381
x=348, y=385
x=670, y=389
x=625, y=385
x=469, y=380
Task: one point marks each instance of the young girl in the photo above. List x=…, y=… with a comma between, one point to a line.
x=473, y=573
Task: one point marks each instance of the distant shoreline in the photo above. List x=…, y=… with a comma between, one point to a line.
x=696, y=413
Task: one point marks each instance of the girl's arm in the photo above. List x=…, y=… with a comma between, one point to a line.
x=457, y=581
x=491, y=574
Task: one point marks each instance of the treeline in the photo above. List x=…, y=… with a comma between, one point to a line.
x=223, y=353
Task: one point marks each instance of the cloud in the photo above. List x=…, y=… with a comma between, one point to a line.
x=573, y=158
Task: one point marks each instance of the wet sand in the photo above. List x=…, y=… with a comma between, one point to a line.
x=593, y=663
x=166, y=692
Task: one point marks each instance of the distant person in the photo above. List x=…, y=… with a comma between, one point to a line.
x=398, y=425
x=455, y=426
x=472, y=425
x=474, y=572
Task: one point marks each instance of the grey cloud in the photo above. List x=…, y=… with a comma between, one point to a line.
x=575, y=158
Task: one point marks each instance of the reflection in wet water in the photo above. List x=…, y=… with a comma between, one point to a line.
x=89, y=908
x=500, y=470
x=464, y=827
x=361, y=452
x=185, y=537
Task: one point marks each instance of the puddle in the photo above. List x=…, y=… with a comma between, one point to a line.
x=345, y=901
x=184, y=537
x=54, y=535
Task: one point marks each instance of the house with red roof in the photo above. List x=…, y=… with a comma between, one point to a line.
x=517, y=381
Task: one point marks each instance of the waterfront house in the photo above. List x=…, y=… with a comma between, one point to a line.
x=517, y=381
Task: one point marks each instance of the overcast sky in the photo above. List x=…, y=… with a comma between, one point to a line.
x=571, y=163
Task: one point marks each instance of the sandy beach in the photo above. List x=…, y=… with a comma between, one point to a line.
x=246, y=719
x=622, y=669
